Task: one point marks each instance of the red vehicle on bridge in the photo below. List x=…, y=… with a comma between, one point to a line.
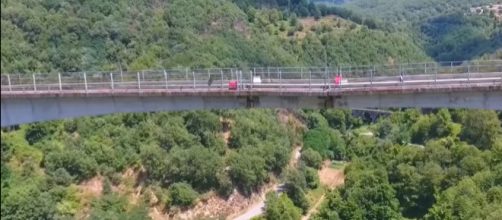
x=338, y=80
x=232, y=85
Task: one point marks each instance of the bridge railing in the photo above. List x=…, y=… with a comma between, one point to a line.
x=218, y=78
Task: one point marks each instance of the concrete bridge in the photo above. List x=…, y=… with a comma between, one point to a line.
x=40, y=97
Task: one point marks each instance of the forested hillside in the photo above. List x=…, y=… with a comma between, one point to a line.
x=444, y=165
x=180, y=155
x=59, y=35
x=447, y=29
x=408, y=13
x=434, y=164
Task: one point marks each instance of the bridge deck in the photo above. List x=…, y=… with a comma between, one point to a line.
x=34, y=98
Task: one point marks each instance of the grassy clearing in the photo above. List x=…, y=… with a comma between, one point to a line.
x=314, y=195
x=338, y=164
x=363, y=131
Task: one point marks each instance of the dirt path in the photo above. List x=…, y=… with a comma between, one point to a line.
x=257, y=208
x=295, y=156
x=249, y=207
x=314, y=208
x=254, y=211
x=330, y=177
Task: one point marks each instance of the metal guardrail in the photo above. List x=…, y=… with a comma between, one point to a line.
x=271, y=77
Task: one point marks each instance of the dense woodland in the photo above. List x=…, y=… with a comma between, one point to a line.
x=434, y=164
x=441, y=165
x=446, y=29
x=183, y=155
x=58, y=35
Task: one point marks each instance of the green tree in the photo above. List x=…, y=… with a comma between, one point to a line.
x=459, y=202
x=204, y=164
x=366, y=195
x=182, y=194
x=385, y=128
x=154, y=160
x=481, y=128
x=421, y=130
x=247, y=171
x=78, y=165
x=61, y=177
x=312, y=178
x=443, y=125
x=341, y=119
x=316, y=120
x=112, y=206
x=295, y=177
x=203, y=124
x=280, y=207
x=37, y=131
x=329, y=143
x=26, y=201
x=295, y=185
x=311, y=158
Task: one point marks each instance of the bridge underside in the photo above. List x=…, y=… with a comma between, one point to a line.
x=32, y=109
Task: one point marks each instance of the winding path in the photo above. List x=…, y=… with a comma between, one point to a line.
x=313, y=209
x=259, y=207
x=256, y=210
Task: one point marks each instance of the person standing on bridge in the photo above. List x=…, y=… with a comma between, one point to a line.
x=401, y=77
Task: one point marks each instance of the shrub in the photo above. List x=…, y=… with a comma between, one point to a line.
x=312, y=177
x=182, y=194
x=311, y=158
x=326, y=141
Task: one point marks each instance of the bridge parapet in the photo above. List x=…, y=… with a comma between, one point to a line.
x=307, y=79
